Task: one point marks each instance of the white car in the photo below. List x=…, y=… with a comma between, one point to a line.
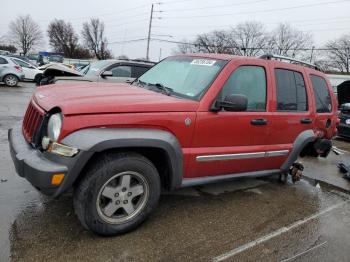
x=31, y=72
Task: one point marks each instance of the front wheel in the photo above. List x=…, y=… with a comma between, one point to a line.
x=117, y=194
x=11, y=80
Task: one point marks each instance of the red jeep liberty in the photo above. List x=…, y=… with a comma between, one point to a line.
x=189, y=120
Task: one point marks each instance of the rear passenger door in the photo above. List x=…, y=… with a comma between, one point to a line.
x=292, y=114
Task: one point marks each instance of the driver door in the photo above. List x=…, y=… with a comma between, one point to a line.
x=121, y=74
x=235, y=142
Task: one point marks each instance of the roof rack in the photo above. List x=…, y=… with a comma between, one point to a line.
x=270, y=56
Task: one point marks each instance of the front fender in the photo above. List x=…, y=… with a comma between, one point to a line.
x=93, y=140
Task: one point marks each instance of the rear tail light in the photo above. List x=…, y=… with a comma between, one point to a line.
x=18, y=68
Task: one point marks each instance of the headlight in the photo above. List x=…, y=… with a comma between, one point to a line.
x=54, y=126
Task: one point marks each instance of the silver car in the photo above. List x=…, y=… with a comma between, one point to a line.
x=112, y=71
x=10, y=72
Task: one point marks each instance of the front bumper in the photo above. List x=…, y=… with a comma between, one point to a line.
x=32, y=164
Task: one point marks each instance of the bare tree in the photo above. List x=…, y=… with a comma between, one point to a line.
x=10, y=48
x=288, y=41
x=62, y=37
x=338, y=56
x=25, y=33
x=215, y=42
x=94, y=38
x=249, y=38
x=186, y=47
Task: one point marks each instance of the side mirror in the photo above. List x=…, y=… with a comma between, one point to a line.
x=107, y=74
x=232, y=103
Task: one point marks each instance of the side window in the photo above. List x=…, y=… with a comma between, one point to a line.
x=139, y=71
x=3, y=61
x=321, y=93
x=291, y=92
x=251, y=82
x=121, y=71
x=19, y=62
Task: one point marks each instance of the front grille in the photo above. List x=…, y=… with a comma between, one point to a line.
x=32, y=120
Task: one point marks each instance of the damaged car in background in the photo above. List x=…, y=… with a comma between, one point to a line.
x=112, y=71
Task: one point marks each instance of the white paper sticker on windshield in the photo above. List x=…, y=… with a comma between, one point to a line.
x=204, y=62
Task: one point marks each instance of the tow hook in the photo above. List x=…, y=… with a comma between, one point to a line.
x=296, y=171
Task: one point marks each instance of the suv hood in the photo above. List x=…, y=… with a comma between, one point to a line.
x=92, y=98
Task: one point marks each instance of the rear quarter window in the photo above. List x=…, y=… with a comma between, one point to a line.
x=3, y=61
x=291, y=91
x=323, y=99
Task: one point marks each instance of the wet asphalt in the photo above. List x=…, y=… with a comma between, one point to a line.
x=244, y=220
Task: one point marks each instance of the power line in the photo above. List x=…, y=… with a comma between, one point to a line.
x=214, y=6
x=128, y=41
x=258, y=11
x=227, y=25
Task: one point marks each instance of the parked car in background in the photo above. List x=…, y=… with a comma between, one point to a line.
x=53, y=70
x=4, y=52
x=114, y=71
x=56, y=58
x=31, y=72
x=10, y=72
x=33, y=58
x=344, y=117
x=24, y=58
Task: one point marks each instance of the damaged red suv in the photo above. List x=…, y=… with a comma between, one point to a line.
x=189, y=120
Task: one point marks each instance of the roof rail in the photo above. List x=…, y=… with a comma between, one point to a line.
x=270, y=56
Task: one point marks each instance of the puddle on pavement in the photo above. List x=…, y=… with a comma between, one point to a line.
x=187, y=226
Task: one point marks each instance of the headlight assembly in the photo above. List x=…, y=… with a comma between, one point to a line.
x=54, y=127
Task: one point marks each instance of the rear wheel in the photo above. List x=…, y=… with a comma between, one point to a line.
x=117, y=194
x=11, y=80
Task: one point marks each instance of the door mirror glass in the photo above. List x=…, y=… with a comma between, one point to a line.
x=233, y=103
x=107, y=74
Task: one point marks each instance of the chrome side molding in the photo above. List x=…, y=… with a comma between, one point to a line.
x=241, y=155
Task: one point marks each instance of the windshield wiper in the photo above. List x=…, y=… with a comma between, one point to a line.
x=164, y=89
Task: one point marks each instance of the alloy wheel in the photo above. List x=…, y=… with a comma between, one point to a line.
x=122, y=197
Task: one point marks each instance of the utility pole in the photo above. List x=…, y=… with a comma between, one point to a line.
x=160, y=54
x=149, y=33
x=312, y=53
x=347, y=59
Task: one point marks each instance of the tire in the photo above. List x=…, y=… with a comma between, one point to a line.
x=37, y=79
x=11, y=80
x=117, y=194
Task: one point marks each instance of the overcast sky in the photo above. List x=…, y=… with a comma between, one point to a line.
x=177, y=20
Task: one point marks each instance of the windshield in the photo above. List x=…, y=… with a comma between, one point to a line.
x=96, y=67
x=188, y=77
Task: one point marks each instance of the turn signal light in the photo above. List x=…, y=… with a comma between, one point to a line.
x=57, y=179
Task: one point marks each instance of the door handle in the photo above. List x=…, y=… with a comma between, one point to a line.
x=306, y=121
x=258, y=122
